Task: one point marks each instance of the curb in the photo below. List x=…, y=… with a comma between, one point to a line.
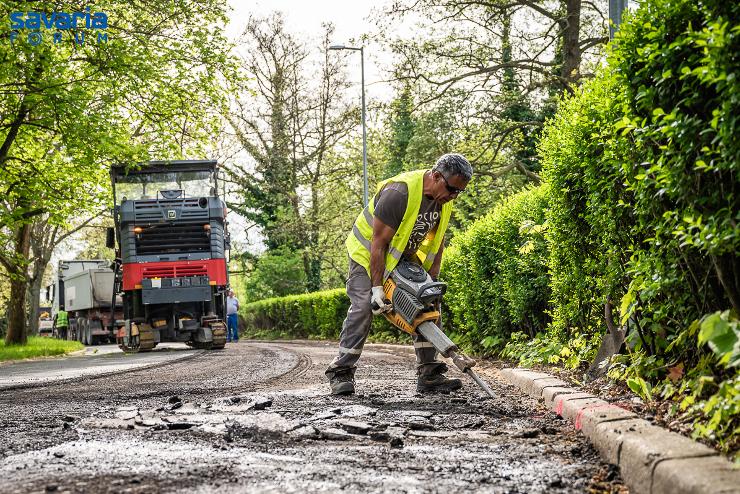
x=652, y=460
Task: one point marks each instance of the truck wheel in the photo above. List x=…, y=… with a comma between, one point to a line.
x=86, y=340
x=82, y=328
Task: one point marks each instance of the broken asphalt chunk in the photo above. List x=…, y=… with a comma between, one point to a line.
x=355, y=411
x=381, y=436
x=335, y=435
x=179, y=426
x=354, y=427
x=526, y=433
x=305, y=432
x=262, y=403
x=126, y=413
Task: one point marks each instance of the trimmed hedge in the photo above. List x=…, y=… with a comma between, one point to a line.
x=317, y=315
x=644, y=214
x=497, y=273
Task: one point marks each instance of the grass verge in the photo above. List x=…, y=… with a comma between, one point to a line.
x=38, y=347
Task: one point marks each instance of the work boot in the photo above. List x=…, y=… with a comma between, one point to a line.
x=342, y=382
x=431, y=379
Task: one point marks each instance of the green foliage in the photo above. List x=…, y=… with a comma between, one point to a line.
x=497, y=273
x=402, y=131
x=639, y=215
x=37, y=347
x=643, y=168
x=721, y=331
x=588, y=214
x=317, y=315
x=680, y=106
x=276, y=273
x=68, y=111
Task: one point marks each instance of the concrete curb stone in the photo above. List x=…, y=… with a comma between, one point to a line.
x=651, y=459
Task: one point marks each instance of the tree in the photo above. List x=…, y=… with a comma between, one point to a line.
x=68, y=110
x=45, y=237
x=401, y=132
x=509, y=58
x=291, y=111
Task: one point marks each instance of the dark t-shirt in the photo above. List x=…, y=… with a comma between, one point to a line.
x=390, y=206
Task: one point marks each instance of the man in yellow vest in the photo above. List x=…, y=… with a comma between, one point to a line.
x=407, y=218
x=61, y=324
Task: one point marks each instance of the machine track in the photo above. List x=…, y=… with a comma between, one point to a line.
x=218, y=329
x=140, y=340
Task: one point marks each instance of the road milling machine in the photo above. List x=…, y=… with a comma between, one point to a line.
x=171, y=246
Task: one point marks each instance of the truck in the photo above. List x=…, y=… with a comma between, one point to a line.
x=84, y=288
x=171, y=243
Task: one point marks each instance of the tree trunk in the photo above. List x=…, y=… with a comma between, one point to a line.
x=571, y=27
x=34, y=293
x=727, y=274
x=18, y=287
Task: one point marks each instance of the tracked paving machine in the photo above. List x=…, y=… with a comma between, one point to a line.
x=172, y=241
x=415, y=299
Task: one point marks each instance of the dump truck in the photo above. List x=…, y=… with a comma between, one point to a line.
x=84, y=288
x=171, y=244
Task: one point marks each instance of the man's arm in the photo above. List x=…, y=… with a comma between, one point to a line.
x=382, y=236
x=434, y=270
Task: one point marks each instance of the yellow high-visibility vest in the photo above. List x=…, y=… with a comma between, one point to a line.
x=62, y=320
x=358, y=240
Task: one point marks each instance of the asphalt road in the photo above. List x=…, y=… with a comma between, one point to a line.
x=94, y=361
x=257, y=417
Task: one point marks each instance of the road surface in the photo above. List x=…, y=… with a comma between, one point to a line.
x=257, y=417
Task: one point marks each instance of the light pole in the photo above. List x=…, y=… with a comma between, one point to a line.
x=616, y=7
x=364, y=130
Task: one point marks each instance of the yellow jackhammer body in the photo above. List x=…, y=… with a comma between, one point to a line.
x=415, y=299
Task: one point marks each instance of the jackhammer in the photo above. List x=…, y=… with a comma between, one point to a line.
x=414, y=298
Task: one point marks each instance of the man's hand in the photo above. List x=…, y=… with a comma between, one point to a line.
x=378, y=302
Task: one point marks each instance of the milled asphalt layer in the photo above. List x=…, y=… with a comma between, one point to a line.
x=651, y=459
x=95, y=361
x=258, y=417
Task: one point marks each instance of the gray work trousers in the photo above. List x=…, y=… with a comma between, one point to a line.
x=356, y=327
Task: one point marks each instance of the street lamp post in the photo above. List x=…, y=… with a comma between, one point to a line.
x=364, y=127
x=616, y=7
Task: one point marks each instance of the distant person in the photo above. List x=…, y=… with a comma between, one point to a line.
x=407, y=218
x=61, y=324
x=232, y=318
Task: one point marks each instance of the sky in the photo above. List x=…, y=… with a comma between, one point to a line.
x=351, y=20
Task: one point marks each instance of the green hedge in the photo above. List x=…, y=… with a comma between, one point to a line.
x=497, y=273
x=317, y=315
x=644, y=166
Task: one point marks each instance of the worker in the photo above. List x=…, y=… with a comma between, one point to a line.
x=408, y=217
x=232, y=317
x=61, y=324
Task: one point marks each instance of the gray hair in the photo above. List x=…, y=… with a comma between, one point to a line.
x=454, y=164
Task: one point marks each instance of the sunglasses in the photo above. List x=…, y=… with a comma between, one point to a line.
x=450, y=188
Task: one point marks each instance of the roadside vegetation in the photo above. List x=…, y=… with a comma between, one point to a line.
x=605, y=194
x=38, y=347
x=634, y=226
